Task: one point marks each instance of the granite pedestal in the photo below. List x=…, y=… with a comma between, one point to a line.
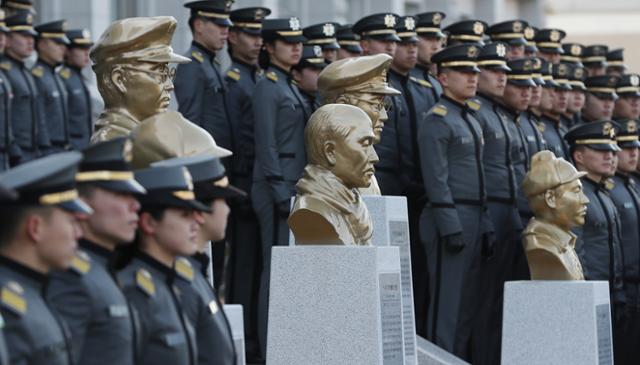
x=235, y=317
x=431, y=354
x=335, y=305
x=557, y=322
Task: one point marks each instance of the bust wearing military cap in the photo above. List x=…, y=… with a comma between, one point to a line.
x=555, y=195
x=328, y=208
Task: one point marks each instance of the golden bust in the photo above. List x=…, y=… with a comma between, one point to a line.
x=556, y=198
x=361, y=82
x=328, y=208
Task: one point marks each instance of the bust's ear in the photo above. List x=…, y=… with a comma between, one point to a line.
x=329, y=150
x=117, y=78
x=550, y=198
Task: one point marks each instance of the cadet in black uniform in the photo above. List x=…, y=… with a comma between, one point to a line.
x=201, y=303
x=305, y=74
x=594, y=59
x=53, y=101
x=530, y=49
x=349, y=42
x=599, y=242
x=548, y=41
x=530, y=123
x=430, y=41
x=551, y=106
x=6, y=196
x=466, y=32
x=13, y=6
x=29, y=127
x=80, y=113
x=512, y=33
x=377, y=33
x=455, y=227
x=615, y=62
x=628, y=103
x=9, y=151
x=87, y=295
x=626, y=196
x=167, y=229
x=577, y=95
x=601, y=97
x=280, y=119
x=38, y=233
x=323, y=35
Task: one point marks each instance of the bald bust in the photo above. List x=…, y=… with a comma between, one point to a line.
x=328, y=208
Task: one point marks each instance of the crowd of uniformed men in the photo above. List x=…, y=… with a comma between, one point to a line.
x=476, y=102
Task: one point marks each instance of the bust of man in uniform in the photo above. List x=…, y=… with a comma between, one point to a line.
x=328, y=208
x=555, y=196
x=360, y=82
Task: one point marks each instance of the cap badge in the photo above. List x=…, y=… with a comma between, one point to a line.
x=527, y=66
x=328, y=30
x=478, y=28
x=294, y=23
x=86, y=34
x=529, y=33
x=632, y=126
x=188, y=178
x=259, y=14
x=409, y=23
x=501, y=50
x=576, y=50
x=517, y=27
x=537, y=64
x=472, y=52
x=127, y=151
x=29, y=19
x=317, y=50
x=437, y=19
x=613, y=81
x=579, y=73
x=389, y=21
x=554, y=36
x=227, y=5
x=64, y=26
x=634, y=80
x=562, y=69
x=607, y=130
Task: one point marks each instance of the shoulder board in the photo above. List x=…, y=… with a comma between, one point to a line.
x=272, y=76
x=5, y=65
x=440, y=110
x=81, y=263
x=234, y=74
x=65, y=73
x=540, y=126
x=184, y=269
x=11, y=297
x=474, y=104
x=37, y=71
x=213, y=307
x=294, y=82
x=424, y=83
x=197, y=56
x=609, y=184
x=144, y=282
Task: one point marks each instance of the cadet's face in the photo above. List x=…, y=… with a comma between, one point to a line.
x=596, y=108
x=536, y=94
x=61, y=230
x=571, y=205
x=514, y=52
x=78, y=57
x=550, y=57
x=343, y=53
x=115, y=216
x=628, y=107
x=212, y=35
x=307, y=79
x=148, y=89
x=373, y=47
x=406, y=57
x=517, y=97
x=285, y=54
x=459, y=85
x=214, y=224
x=246, y=46
x=561, y=101
x=374, y=106
x=355, y=157
x=330, y=54
x=51, y=51
x=596, y=71
x=627, y=159
x=576, y=101
x=546, y=98
x=20, y=44
x=427, y=47
x=595, y=162
x=492, y=82
x=177, y=231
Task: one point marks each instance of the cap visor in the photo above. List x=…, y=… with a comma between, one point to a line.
x=629, y=144
x=605, y=96
x=199, y=206
x=531, y=49
x=251, y=31
x=504, y=68
x=126, y=186
x=166, y=57
x=517, y=42
x=4, y=29
x=331, y=46
x=222, y=22
x=604, y=147
x=30, y=32
x=527, y=82
x=294, y=39
x=472, y=69
x=76, y=206
x=432, y=34
x=550, y=50
x=564, y=86
x=539, y=81
x=7, y=195
x=387, y=90
x=214, y=192
x=632, y=94
x=353, y=49
x=551, y=84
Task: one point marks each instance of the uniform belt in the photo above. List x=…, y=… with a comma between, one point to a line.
x=495, y=199
x=286, y=155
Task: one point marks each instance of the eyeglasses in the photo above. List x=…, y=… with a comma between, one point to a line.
x=162, y=75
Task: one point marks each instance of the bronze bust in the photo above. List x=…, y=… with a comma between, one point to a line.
x=328, y=208
x=556, y=198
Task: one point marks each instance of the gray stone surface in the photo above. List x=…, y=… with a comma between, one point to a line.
x=431, y=354
x=235, y=316
x=391, y=228
x=335, y=305
x=557, y=322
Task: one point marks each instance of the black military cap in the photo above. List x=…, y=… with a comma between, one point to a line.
x=429, y=24
x=537, y=71
x=169, y=187
x=18, y=5
x=7, y=195
x=107, y=165
x=604, y=87
x=406, y=29
x=561, y=74
x=311, y=57
x=596, y=135
x=548, y=40
x=461, y=57
x=381, y=26
x=249, y=20
x=595, y=55
x=628, y=85
x=615, y=58
x=323, y=35
x=21, y=22
x=53, y=30
x=286, y=29
x=510, y=32
x=3, y=24
x=627, y=136
x=348, y=40
x=493, y=56
x=47, y=181
x=572, y=53
x=546, y=69
x=79, y=38
x=209, y=178
x=521, y=72
x=530, y=35
x=466, y=31
x=216, y=11
x=577, y=75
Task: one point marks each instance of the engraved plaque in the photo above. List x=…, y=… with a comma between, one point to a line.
x=391, y=318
